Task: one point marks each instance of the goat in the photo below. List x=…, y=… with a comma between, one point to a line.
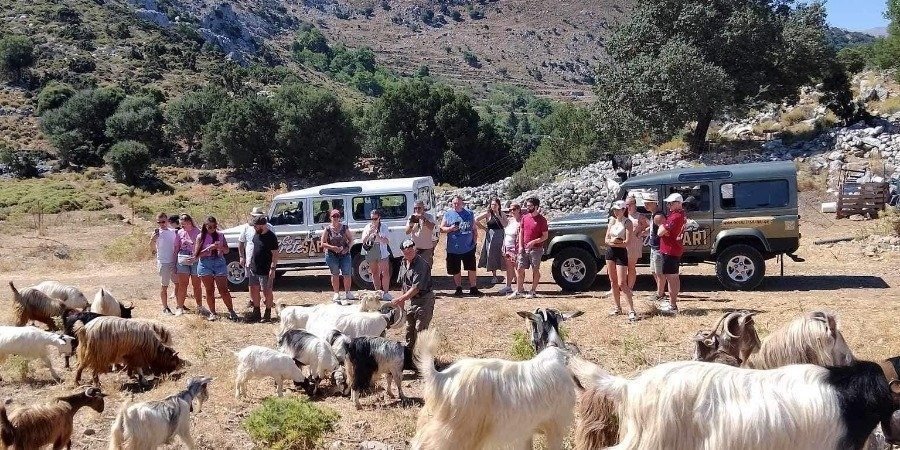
x=731, y=341
x=544, y=326
x=104, y=303
x=70, y=295
x=490, y=403
x=112, y=340
x=35, y=426
x=260, y=362
x=32, y=304
x=368, y=357
x=354, y=324
x=692, y=404
x=33, y=343
x=72, y=318
x=296, y=317
x=811, y=339
x=310, y=351
x=156, y=423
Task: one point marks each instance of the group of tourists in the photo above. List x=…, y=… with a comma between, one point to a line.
x=514, y=240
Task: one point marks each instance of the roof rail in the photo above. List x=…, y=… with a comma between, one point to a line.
x=340, y=190
x=705, y=176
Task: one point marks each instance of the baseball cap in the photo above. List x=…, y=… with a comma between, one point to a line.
x=257, y=211
x=408, y=243
x=674, y=197
x=618, y=204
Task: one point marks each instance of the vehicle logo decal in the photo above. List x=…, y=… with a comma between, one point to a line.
x=749, y=221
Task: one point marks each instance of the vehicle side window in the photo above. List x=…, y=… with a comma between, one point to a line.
x=392, y=206
x=287, y=213
x=696, y=196
x=426, y=194
x=323, y=208
x=755, y=194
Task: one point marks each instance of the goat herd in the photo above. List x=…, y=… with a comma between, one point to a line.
x=800, y=388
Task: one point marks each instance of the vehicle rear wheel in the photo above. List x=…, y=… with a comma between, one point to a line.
x=574, y=269
x=235, y=273
x=362, y=275
x=740, y=267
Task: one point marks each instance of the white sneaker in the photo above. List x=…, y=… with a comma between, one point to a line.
x=505, y=290
x=179, y=311
x=632, y=316
x=664, y=306
x=530, y=295
x=387, y=297
x=514, y=294
x=336, y=297
x=349, y=296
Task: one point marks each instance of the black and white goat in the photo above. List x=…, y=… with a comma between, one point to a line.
x=311, y=351
x=366, y=358
x=544, y=327
x=156, y=423
x=493, y=403
x=691, y=404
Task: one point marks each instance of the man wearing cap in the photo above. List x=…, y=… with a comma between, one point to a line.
x=671, y=247
x=415, y=277
x=261, y=269
x=420, y=228
x=245, y=241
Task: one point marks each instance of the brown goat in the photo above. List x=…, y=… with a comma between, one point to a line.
x=35, y=426
x=32, y=304
x=733, y=336
x=598, y=423
x=112, y=340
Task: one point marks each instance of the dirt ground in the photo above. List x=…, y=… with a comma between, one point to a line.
x=861, y=290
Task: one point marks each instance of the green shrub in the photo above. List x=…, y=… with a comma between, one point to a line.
x=129, y=160
x=16, y=54
x=471, y=59
x=48, y=197
x=289, y=423
x=521, y=347
x=522, y=182
x=21, y=164
x=53, y=95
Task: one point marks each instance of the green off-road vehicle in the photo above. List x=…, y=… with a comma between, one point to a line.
x=740, y=215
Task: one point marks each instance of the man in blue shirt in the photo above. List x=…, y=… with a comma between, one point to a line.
x=459, y=224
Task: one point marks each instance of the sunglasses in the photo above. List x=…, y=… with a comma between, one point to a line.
x=162, y=221
x=335, y=216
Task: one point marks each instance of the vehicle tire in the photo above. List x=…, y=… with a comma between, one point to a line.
x=574, y=269
x=362, y=278
x=740, y=267
x=235, y=273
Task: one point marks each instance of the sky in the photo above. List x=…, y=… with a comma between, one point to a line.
x=856, y=14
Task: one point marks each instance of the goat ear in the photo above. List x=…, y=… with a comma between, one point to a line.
x=571, y=314
x=829, y=321
x=895, y=386
x=526, y=315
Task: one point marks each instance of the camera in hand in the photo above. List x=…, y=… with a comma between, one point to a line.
x=414, y=219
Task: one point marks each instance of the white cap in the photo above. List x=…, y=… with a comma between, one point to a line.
x=257, y=211
x=674, y=197
x=618, y=204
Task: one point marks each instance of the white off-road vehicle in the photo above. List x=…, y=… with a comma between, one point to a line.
x=299, y=218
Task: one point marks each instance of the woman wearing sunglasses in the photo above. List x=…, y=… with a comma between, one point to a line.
x=210, y=249
x=336, y=241
x=375, y=243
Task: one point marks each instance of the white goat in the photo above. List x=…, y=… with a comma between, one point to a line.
x=297, y=317
x=104, y=303
x=32, y=343
x=493, y=403
x=813, y=338
x=352, y=323
x=700, y=405
x=156, y=423
x=70, y=295
x=260, y=362
x=310, y=351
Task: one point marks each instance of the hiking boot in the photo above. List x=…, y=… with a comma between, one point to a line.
x=458, y=292
x=474, y=292
x=267, y=317
x=253, y=317
x=234, y=317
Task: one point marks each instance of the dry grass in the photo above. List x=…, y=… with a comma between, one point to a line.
x=809, y=181
x=673, y=145
x=796, y=115
x=832, y=278
x=885, y=107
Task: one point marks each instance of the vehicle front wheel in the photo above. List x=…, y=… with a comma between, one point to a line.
x=362, y=275
x=235, y=273
x=574, y=269
x=740, y=267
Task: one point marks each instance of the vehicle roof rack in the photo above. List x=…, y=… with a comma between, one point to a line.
x=340, y=190
x=705, y=176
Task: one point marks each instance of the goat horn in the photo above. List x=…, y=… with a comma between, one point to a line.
x=728, y=319
x=130, y=305
x=719, y=323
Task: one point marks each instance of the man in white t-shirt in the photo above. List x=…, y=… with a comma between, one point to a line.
x=164, y=243
x=420, y=227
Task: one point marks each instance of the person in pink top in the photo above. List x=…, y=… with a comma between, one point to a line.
x=210, y=248
x=533, y=233
x=671, y=247
x=186, y=269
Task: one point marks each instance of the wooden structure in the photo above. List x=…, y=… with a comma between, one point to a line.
x=866, y=198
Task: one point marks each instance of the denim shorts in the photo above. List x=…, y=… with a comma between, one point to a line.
x=186, y=269
x=339, y=264
x=212, y=266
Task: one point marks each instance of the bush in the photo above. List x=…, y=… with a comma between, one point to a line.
x=21, y=164
x=48, y=196
x=129, y=160
x=82, y=64
x=78, y=127
x=53, y=95
x=289, y=423
x=471, y=59
x=16, y=54
x=521, y=183
x=853, y=59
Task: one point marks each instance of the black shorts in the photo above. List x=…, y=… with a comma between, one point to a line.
x=618, y=255
x=467, y=260
x=670, y=264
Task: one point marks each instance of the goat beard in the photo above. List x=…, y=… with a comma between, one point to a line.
x=891, y=428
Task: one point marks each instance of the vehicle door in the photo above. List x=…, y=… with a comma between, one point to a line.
x=697, y=204
x=289, y=222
